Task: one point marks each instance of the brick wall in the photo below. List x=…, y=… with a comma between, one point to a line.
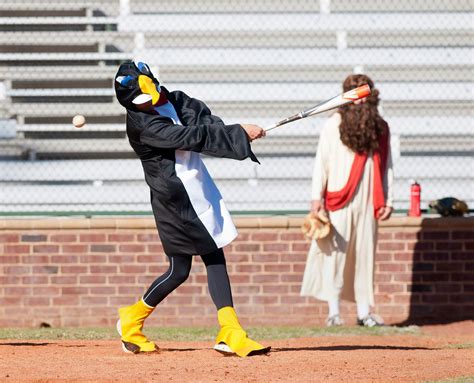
x=76, y=272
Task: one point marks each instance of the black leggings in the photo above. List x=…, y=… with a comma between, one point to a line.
x=178, y=272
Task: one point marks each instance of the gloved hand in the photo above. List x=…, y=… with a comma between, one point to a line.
x=316, y=226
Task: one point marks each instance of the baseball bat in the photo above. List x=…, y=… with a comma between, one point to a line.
x=332, y=103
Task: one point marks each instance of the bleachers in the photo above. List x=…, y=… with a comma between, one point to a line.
x=251, y=61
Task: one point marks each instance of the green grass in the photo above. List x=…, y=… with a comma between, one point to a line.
x=462, y=345
x=461, y=379
x=200, y=333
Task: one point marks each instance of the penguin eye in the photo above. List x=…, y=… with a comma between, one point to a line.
x=124, y=80
x=143, y=68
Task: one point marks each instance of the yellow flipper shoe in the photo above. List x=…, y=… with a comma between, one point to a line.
x=130, y=325
x=232, y=339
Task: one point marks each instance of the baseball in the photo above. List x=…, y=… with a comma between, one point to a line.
x=79, y=120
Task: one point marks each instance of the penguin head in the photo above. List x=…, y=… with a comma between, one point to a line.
x=135, y=86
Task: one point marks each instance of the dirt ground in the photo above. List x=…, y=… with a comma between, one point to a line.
x=439, y=352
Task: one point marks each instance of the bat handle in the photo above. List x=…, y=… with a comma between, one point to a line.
x=270, y=127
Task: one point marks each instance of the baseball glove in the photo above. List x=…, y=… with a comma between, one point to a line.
x=316, y=226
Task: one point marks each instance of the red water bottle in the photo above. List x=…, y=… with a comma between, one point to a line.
x=415, y=200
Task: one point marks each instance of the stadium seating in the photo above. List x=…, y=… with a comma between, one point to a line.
x=58, y=59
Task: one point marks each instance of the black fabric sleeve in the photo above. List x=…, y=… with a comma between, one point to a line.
x=217, y=140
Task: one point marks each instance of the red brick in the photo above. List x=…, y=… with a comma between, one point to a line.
x=73, y=269
x=92, y=279
x=9, y=280
x=17, y=291
x=265, y=299
x=291, y=300
x=383, y=236
x=391, y=288
x=28, y=259
x=383, y=256
x=383, y=277
x=391, y=267
x=17, y=249
x=449, y=266
x=383, y=298
x=68, y=259
x=265, y=278
x=103, y=269
x=247, y=247
x=37, y=301
x=246, y=289
x=434, y=298
x=387, y=246
x=94, y=301
x=291, y=278
x=403, y=277
x=469, y=245
x=158, y=269
x=403, y=235
x=136, y=248
x=403, y=257
x=420, y=246
x=279, y=268
x=9, y=238
x=121, y=238
x=103, y=248
x=183, y=289
x=276, y=247
x=449, y=246
x=299, y=268
x=157, y=249
x=74, y=290
x=147, y=258
x=300, y=246
x=435, y=277
x=17, y=270
x=66, y=301
x=264, y=237
x=5, y=259
x=92, y=238
x=64, y=279
x=240, y=278
x=436, y=235
x=74, y=248
x=84, y=259
x=235, y=257
x=248, y=268
x=133, y=269
x=121, y=258
x=264, y=258
x=275, y=289
x=448, y=288
x=103, y=290
x=61, y=238
x=35, y=280
x=292, y=237
x=149, y=237
x=136, y=290
x=46, y=291
x=458, y=235
x=48, y=249
x=34, y=238
x=435, y=256
x=240, y=300
x=121, y=279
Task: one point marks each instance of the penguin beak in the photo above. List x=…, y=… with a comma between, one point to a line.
x=147, y=86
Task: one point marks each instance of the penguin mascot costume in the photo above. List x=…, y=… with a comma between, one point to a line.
x=168, y=131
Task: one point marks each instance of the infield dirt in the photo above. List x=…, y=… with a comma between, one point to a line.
x=438, y=352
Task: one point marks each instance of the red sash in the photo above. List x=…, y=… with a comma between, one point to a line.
x=338, y=199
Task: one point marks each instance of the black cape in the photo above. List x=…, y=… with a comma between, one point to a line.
x=189, y=221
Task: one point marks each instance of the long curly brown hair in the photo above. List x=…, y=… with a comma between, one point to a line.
x=361, y=125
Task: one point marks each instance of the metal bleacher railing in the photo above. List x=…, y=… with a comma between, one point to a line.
x=251, y=61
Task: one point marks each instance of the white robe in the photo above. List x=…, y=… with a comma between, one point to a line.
x=342, y=264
